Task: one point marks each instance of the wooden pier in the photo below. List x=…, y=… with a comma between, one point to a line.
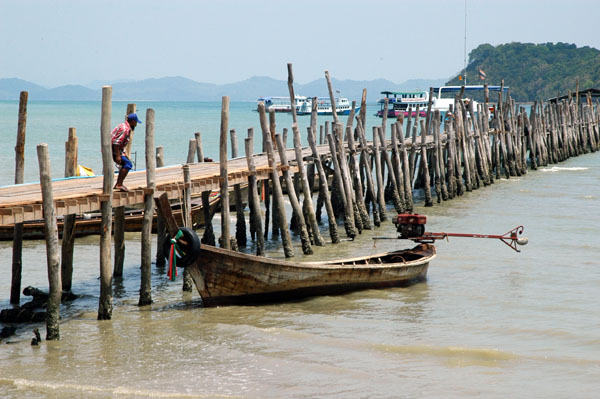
x=475, y=147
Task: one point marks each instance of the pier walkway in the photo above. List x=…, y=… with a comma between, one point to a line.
x=23, y=202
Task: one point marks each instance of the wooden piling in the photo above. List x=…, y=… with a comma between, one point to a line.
x=336, y=120
x=275, y=223
x=398, y=203
x=380, y=200
x=253, y=200
x=240, y=225
x=186, y=208
x=306, y=191
x=146, y=255
x=119, y=215
x=366, y=166
x=297, y=209
x=105, y=302
x=160, y=220
x=51, y=233
x=68, y=233
x=323, y=187
x=408, y=197
x=17, y=262
x=199, y=151
x=339, y=182
x=285, y=233
x=250, y=196
x=191, y=151
x=354, y=165
x=224, y=178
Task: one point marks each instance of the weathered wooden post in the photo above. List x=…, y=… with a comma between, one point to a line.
x=306, y=247
x=240, y=225
x=398, y=203
x=199, y=152
x=224, y=177
x=324, y=187
x=68, y=232
x=285, y=233
x=307, y=193
x=424, y=166
x=146, y=256
x=355, y=175
x=405, y=167
x=161, y=228
x=343, y=161
x=186, y=214
x=376, y=156
x=275, y=223
x=17, y=259
x=397, y=165
x=119, y=215
x=106, y=297
x=253, y=200
x=330, y=89
x=51, y=233
x=366, y=165
x=339, y=182
x=191, y=151
x=250, y=197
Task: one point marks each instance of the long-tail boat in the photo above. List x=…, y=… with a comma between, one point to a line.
x=225, y=277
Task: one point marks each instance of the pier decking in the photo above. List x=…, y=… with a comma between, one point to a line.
x=78, y=195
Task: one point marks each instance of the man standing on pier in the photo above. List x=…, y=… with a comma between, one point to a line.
x=120, y=137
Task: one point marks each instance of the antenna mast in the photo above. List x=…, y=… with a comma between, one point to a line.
x=465, y=48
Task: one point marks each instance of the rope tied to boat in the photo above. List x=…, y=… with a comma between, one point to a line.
x=172, y=271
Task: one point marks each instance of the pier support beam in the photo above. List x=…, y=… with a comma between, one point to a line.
x=223, y=168
x=161, y=228
x=17, y=255
x=146, y=255
x=253, y=200
x=68, y=233
x=106, y=296
x=51, y=233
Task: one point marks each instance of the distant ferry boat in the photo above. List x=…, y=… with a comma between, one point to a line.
x=403, y=102
x=445, y=95
x=342, y=106
x=443, y=99
x=281, y=104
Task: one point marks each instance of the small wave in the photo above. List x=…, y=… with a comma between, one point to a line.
x=23, y=384
x=560, y=169
x=473, y=354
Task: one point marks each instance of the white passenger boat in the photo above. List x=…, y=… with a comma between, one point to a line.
x=281, y=104
x=445, y=95
x=403, y=103
x=342, y=106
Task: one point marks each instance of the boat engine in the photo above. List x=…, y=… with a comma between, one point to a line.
x=410, y=225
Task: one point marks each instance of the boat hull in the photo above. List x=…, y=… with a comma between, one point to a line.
x=225, y=277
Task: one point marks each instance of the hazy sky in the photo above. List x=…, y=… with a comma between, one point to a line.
x=54, y=43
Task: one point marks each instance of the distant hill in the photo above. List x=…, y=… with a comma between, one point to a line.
x=183, y=89
x=534, y=71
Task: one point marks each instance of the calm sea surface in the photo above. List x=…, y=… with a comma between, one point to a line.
x=488, y=322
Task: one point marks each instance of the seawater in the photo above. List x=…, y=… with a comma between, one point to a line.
x=488, y=322
x=175, y=124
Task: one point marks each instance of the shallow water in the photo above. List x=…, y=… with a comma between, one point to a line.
x=488, y=322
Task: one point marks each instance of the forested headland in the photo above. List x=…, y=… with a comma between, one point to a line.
x=533, y=71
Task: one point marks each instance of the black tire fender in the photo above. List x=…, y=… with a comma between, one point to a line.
x=189, y=251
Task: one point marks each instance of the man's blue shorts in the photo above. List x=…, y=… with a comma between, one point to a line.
x=126, y=163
